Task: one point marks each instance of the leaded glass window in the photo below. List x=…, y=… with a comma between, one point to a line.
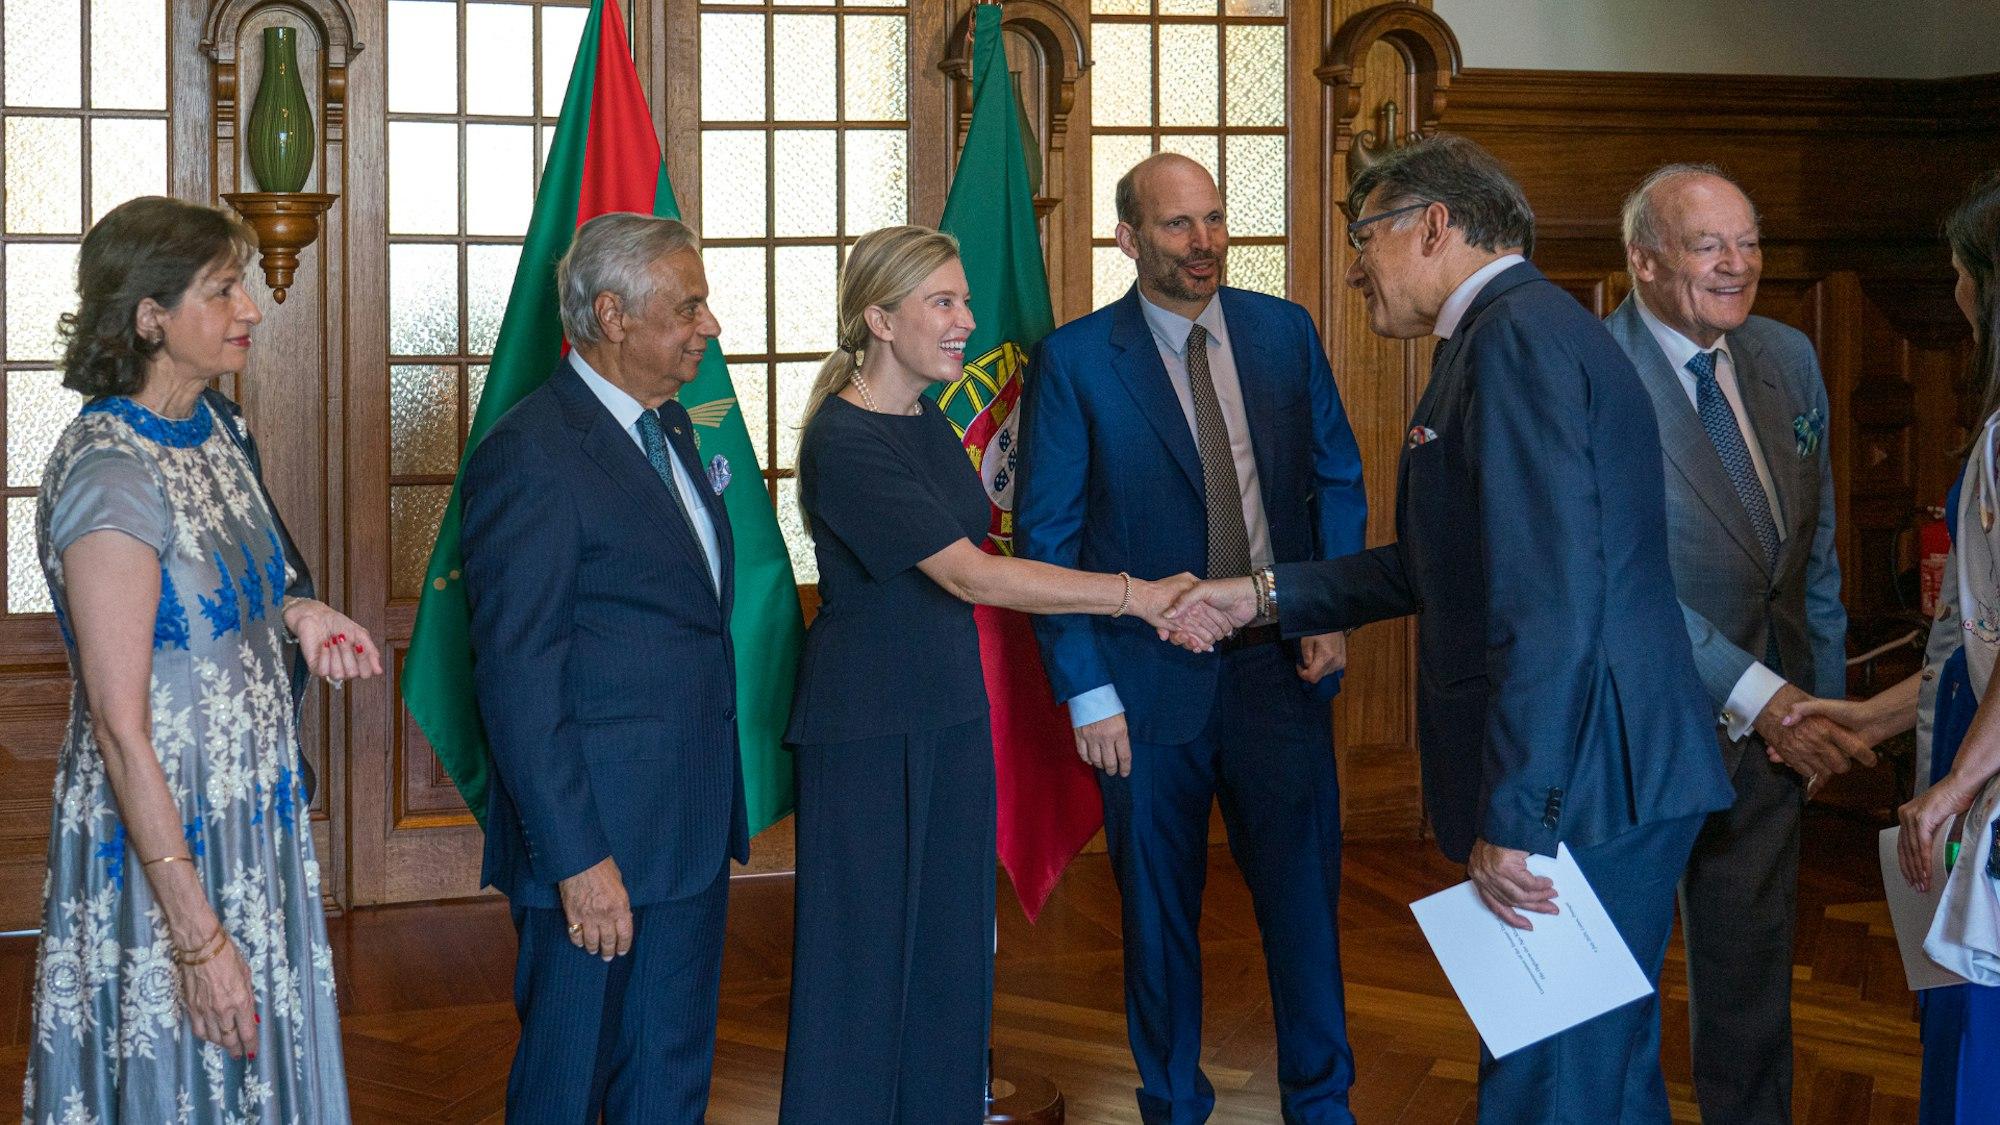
x=804, y=147
x=83, y=128
x=475, y=90
x=1205, y=78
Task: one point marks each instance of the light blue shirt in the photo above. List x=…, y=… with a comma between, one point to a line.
x=625, y=410
x=1170, y=334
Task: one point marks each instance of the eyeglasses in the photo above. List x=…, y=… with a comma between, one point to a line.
x=1354, y=228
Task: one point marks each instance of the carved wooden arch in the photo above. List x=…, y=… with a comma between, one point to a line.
x=1430, y=54
x=1060, y=41
x=333, y=20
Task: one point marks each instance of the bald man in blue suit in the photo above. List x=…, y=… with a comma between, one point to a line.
x=1193, y=427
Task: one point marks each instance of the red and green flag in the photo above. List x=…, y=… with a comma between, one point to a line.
x=604, y=158
x=1049, y=804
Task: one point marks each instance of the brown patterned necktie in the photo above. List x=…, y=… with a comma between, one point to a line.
x=1228, y=537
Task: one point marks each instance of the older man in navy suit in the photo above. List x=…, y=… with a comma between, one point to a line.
x=1557, y=696
x=597, y=562
x=1195, y=427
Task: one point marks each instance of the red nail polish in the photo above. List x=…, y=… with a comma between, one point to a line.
x=358, y=648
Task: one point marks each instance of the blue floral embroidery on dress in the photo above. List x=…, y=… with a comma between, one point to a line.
x=112, y=852
x=174, y=433
x=256, y=802
x=223, y=614
x=170, y=621
x=274, y=571
x=286, y=798
x=192, y=833
x=253, y=586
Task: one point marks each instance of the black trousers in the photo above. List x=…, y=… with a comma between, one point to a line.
x=892, y=963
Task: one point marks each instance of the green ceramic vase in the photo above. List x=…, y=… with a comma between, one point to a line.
x=280, y=138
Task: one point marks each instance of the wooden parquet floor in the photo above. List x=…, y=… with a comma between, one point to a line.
x=429, y=1027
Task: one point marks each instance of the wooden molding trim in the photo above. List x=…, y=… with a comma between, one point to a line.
x=1727, y=103
x=1429, y=49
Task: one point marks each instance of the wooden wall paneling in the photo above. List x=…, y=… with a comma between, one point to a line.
x=672, y=30
x=933, y=150
x=1068, y=231
x=34, y=714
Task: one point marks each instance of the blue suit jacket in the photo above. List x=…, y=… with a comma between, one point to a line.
x=1110, y=480
x=1557, y=695
x=602, y=658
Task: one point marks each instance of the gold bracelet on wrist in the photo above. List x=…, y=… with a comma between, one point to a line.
x=210, y=947
x=167, y=859
x=1126, y=602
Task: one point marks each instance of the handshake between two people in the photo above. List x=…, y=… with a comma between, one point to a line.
x=1196, y=613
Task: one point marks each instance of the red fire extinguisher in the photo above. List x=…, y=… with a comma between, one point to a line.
x=1933, y=544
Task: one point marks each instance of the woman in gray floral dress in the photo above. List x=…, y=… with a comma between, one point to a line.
x=184, y=973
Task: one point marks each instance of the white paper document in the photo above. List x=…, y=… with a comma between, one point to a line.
x=1522, y=986
x=1911, y=911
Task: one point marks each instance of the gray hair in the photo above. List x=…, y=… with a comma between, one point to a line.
x=1485, y=203
x=614, y=253
x=1640, y=220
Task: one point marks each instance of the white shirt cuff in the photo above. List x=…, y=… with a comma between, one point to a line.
x=1097, y=703
x=1747, y=700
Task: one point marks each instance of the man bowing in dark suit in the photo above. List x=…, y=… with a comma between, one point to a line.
x=598, y=565
x=1557, y=698
x=1189, y=426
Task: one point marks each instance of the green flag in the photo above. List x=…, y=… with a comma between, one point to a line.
x=1048, y=799
x=604, y=158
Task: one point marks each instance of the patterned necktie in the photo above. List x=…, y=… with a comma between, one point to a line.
x=1720, y=422
x=1228, y=537
x=655, y=438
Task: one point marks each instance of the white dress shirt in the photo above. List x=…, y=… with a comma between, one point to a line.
x=1754, y=689
x=1462, y=297
x=1170, y=334
x=625, y=410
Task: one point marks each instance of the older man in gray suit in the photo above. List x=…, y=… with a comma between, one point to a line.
x=1750, y=510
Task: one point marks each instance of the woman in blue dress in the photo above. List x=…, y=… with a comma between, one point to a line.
x=184, y=973
x=1951, y=706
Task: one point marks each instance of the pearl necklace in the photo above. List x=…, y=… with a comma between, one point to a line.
x=868, y=400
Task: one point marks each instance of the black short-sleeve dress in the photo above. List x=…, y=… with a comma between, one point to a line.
x=892, y=960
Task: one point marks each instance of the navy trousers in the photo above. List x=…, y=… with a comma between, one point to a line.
x=1605, y=1071
x=892, y=939
x=629, y=1040
x=1267, y=754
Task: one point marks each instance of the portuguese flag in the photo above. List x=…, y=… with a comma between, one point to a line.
x=1049, y=803
x=603, y=158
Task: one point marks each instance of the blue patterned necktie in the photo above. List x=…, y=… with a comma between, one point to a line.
x=1720, y=422
x=655, y=438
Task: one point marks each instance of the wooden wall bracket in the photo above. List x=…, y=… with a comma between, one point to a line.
x=1431, y=59
x=285, y=222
